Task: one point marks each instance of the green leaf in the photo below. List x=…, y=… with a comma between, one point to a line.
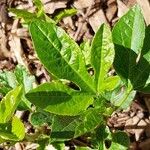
x=121, y=97
x=40, y=8
x=67, y=127
x=18, y=128
x=42, y=143
x=65, y=13
x=86, y=50
x=23, y=14
x=40, y=118
x=129, y=31
x=63, y=127
x=146, y=55
x=120, y=140
x=59, y=145
x=10, y=80
x=9, y=104
x=111, y=83
x=131, y=70
x=102, y=133
x=90, y=120
x=59, y=99
x=7, y=81
x=24, y=78
x=102, y=55
x=60, y=54
x=10, y=132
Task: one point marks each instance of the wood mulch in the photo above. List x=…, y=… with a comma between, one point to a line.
x=16, y=48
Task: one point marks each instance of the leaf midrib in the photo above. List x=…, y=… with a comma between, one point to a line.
x=64, y=59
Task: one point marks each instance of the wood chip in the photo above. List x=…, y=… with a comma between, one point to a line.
x=51, y=6
x=111, y=11
x=97, y=19
x=15, y=44
x=145, y=5
x=140, y=129
x=81, y=4
x=122, y=8
x=131, y=123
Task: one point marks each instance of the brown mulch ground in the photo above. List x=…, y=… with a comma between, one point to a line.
x=16, y=48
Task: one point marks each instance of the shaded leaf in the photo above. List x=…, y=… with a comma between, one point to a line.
x=58, y=99
x=129, y=69
x=146, y=55
x=120, y=140
x=40, y=118
x=121, y=96
x=101, y=134
x=63, y=127
x=67, y=127
x=90, y=120
x=7, y=82
x=24, y=78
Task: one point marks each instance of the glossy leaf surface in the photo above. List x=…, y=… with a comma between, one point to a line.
x=102, y=55
x=60, y=54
